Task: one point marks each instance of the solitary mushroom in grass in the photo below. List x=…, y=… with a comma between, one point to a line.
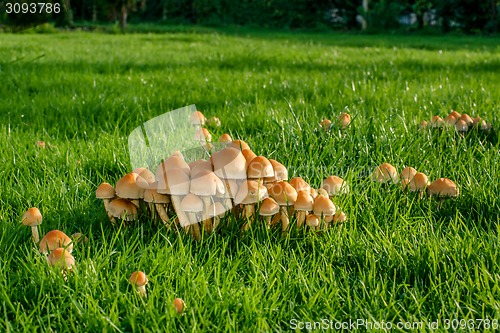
x=139, y=280
x=55, y=239
x=344, y=119
x=334, y=185
x=216, y=211
x=40, y=144
x=324, y=207
x=192, y=205
x=250, y=193
x=33, y=218
x=408, y=173
x=442, y=188
x=268, y=208
x=385, y=173
x=303, y=204
x=106, y=192
x=206, y=185
x=312, y=221
x=157, y=202
x=285, y=195
x=197, y=119
x=179, y=305
x=225, y=138
x=419, y=183
x=461, y=126
x=132, y=187
x=122, y=209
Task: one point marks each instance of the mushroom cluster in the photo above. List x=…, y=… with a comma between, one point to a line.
x=414, y=181
x=461, y=122
x=233, y=180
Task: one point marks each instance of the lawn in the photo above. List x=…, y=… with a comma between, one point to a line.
x=397, y=259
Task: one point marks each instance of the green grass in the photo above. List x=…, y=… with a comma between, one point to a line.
x=397, y=259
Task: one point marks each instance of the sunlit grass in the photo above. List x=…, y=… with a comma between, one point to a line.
x=397, y=258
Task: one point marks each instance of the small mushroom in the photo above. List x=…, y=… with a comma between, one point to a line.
x=55, y=239
x=325, y=124
x=197, y=119
x=450, y=120
x=78, y=237
x=250, y=193
x=437, y=122
x=225, y=138
x=303, y=205
x=344, y=119
x=461, y=126
x=179, y=305
x=106, y=192
x=285, y=195
x=40, y=144
x=408, y=173
x=442, y=188
x=33, y=218
x=268, y=208
x=139, y=280
x=122, y=209
x=455, y=114
x=335, y=185
x=467, y=119
x=132, y=187
x=312, y=221
x=419, y=183
x=324, y=207
x=385, y=173
x=61, y=259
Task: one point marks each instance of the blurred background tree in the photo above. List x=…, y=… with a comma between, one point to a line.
x=468, y=16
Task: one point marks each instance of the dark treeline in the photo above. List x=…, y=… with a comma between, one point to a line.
x=469, y=16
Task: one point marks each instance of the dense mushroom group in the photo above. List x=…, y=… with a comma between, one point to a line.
x=234, y=180
x=460, y=122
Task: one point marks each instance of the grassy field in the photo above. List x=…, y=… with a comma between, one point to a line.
x=397, y=259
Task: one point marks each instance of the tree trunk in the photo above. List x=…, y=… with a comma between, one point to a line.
x=123, y=18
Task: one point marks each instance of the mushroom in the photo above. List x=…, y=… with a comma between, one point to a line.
x=62, y=259
x=106, y=192
x=437, y=121
x=33, y=218
x=450, y=120
x=216, y=211
x=299, y=184
x=132, y=187
x=259, y=168
x=461, y=126
x=225, y=138
x=325, y=124
x=419, y=183
x=249, y=193
x=199, y=166
x=408, y=173
x=249, y=155
x=158, y=202
x=442, y=188
x=122, y=209
x=344, y=119
x=40, y=144
x=206, y=185
x=285, y=195
x=455, y=114
x=231, y=188
x=179, y=305
x=203, y=136
x=197, y=119
x=339, y=217
x=423, y=125
x=467, y=119
x=191, y=204
x=334, y=185
x=268, y=208
x=146, y=174
x=139, y=280
x=303, y=204
x=385, y=173
x=239, y=144
x=323, y=207
x=55, y=239
x=312, y=221
x=280, y=174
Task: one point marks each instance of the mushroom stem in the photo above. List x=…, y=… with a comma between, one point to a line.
x=276, y=219
x=207, y=221
x=216, y=222
x=36, y=235
x=267, y=220
x=285, y=221
x=163, y=214
x=183, y=219
x=142, y=290
x=301, y=218
x=193, y=227
x=440, y=203
x=249, y=211
x=110, y=216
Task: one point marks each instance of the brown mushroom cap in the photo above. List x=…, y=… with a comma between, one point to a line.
x=461, y=125
x=419, y=182
x=206, y=183
x=304, y=201
x=323, y=205
x=344, y=119
x=54, y=239
x=312, y=220
x=138, y=278
x=283, y=193
x=423, y=124
x=239, y=144
x=325, y=124
x=202, y=135
x=32, y=217
x=131, y=186
x=408, y=173
x=249, y=155
x=385, y=173
x=198, y=166
x=467, y=119
x=146, y=174
x=269, y=207
x=299, y=184
x=122, y=209
x=455, y=114
x=61, y=258
x=191, y=203
x=175, y=182
x=280, y=172
x=216, y=209
x=443, y=187
x=171, y=163
x=105, y=191
x=229, y=163
x=260, y=168
x=179, y=305
x=437, y=121
x=226, y=138
x=335, y=185
x=250, y=192
x=450, y=120
x=197, y=118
